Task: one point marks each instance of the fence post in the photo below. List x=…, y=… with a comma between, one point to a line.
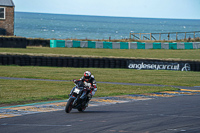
x=150, y=36
x=185, y=35
x=168, y=35
x=159, y=36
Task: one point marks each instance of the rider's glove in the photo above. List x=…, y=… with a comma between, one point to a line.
x=88, y=89
x=75, y=81
x=92, y=88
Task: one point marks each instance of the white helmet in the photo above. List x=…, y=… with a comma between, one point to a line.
x=87, y=75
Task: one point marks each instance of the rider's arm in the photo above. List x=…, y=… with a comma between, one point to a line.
x=93, y=85
x=82, y=78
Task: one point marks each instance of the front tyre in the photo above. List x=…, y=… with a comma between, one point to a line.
x=81, y=109
x=68, y=107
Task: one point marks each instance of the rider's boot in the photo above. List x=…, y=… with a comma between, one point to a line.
x=89, y=97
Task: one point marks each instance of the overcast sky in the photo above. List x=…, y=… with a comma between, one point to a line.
x=184, y=9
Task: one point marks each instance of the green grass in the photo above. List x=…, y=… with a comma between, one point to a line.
x=122, y=53
x=21, y=91
x=163, y=77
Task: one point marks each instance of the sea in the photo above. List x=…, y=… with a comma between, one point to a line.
x=65, y=26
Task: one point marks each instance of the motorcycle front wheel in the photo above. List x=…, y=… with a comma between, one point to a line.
x=81, y=109
x=68, y=107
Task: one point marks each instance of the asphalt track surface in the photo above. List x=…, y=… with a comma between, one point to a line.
x=164, y=115
x=158, y=115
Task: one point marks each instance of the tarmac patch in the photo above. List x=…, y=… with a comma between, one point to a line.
x=19, y=110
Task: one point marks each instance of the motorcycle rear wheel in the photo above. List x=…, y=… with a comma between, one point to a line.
x=68, y=107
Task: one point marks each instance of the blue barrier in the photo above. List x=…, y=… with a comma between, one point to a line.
x=124, y=45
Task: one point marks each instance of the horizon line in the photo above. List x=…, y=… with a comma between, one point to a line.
x=109, y=16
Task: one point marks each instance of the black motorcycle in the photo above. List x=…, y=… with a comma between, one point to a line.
x=77, y=98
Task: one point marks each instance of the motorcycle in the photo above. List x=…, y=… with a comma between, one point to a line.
x=77, y=98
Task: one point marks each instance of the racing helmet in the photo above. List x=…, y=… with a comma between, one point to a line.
x=87, y=75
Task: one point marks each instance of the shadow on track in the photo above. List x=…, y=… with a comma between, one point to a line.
x=97, y=112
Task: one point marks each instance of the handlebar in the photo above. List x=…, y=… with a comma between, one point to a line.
x=81, y=84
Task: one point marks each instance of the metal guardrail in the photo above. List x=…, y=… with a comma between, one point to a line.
x=166, y=36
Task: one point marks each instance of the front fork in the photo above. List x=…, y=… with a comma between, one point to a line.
x=71, y=91
x=83, y=96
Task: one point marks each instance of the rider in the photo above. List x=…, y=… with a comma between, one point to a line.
x=90, y=83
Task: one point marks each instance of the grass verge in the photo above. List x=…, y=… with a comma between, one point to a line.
x=21, y=91
x=192, y=54
x=163, y=77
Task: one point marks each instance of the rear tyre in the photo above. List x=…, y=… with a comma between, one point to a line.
x=68, y=107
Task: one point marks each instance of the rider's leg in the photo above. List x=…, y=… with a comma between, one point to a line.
x=90, y=94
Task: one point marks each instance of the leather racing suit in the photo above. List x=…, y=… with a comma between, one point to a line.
x=91, y=84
